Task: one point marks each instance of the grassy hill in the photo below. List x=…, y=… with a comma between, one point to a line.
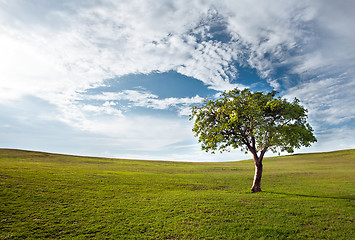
x=307, y=196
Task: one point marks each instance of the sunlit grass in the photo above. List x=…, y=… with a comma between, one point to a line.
x=308, y=196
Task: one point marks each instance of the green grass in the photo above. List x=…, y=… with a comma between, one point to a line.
x=45, y=196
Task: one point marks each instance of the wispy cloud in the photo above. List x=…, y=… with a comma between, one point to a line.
x=329, y=100
x=58, y=51
x=144, y=99
x=118, y=38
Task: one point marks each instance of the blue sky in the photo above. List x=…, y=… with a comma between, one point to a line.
x=118, y=78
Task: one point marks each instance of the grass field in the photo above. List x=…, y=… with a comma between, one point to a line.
x=48, y=196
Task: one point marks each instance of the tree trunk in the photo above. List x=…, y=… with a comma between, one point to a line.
x=257, y=177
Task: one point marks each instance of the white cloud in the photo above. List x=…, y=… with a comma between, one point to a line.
x=141, y=133
x=102, y=41
x=146, y=99
x=329, y=100
x=104, y=109
x=332, y=139
x=57, y=52
x=268, y=30
x=115, y=38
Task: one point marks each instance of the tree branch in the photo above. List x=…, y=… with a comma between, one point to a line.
x=246, y=142
x=262, y=154
x=253, y=141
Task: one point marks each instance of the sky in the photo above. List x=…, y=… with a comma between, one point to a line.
x=117, y=78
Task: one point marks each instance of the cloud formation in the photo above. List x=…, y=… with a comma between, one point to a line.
x=119, y=37
x=325, y=99
x=143, y=99
x=57, y=51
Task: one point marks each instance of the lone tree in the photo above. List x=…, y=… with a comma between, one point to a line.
x=254, y=122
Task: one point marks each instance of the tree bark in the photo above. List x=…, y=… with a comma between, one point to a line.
x=257, y=177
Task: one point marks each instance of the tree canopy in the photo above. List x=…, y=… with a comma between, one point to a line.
x=252, y=121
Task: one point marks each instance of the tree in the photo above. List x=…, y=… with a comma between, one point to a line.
x=253, y=121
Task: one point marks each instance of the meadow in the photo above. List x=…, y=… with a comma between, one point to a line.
x=52, y=196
